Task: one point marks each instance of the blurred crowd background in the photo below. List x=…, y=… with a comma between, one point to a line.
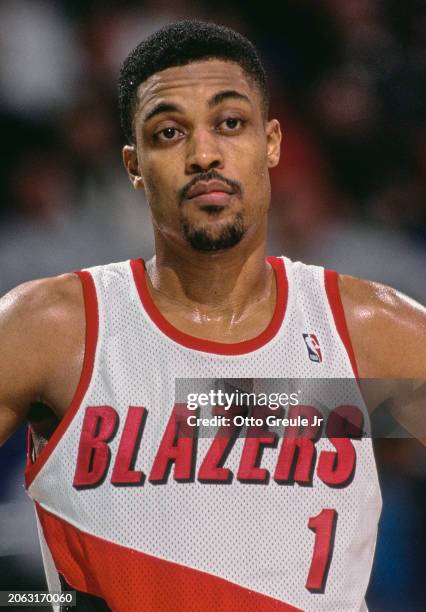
x=348, y=84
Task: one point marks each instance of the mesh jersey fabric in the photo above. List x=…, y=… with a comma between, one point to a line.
x=178, y=541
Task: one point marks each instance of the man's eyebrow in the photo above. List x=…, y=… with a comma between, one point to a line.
x=225, y=95
x=218, y=98
x=162, y=107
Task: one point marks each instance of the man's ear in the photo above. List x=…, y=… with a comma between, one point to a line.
x=273, y=140
x=130, y=160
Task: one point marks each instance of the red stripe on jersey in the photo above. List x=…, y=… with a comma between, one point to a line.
x=131, y=580
x=331, y=279
x=210, y=346
x=92, y=325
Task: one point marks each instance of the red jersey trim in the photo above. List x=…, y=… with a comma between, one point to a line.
x=210, y=346
x=30, y=447
x=331, y=279
x=128, y=579
x=92, y=326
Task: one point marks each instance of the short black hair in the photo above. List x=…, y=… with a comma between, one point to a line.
x=178, y=44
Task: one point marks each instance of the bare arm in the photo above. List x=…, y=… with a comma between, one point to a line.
x=41, y=340
x=388, y=333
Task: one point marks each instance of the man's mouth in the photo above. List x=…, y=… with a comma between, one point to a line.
x=210, y=193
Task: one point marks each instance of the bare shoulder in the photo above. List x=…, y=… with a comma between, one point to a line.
x=40, y=306
x=387, y=329
x=42, y=328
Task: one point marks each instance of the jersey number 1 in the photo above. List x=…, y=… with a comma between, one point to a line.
x=324, y=526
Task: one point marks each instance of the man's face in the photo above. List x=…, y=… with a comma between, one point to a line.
x=203, y=149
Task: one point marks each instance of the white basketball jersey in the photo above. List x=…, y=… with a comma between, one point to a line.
x=145, y=507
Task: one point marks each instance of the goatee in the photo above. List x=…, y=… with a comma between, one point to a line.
x=201, y=239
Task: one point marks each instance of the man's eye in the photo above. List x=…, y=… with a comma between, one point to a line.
x=169, y=133
x=232, y=124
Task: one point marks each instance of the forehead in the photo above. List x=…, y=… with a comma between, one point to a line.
x=196, y=82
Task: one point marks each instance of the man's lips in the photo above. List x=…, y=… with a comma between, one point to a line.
x=212, y=199
x=211, y=191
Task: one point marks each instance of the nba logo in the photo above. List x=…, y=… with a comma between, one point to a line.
x=314, y=349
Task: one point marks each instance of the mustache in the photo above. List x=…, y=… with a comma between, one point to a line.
x=210, y=175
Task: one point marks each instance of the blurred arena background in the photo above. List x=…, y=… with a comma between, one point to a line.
x=348, y=85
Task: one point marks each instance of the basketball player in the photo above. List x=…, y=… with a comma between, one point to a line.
x=133, y=514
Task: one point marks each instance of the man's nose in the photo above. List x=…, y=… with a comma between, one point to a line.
x=204, y=152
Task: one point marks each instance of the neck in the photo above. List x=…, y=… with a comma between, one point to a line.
x=225, y=283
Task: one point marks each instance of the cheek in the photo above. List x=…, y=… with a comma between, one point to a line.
x=258, y=174
x=258, y=193
x=257, y=160
x=159, y=183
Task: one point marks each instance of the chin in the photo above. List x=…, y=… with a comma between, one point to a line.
x=205, y=239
